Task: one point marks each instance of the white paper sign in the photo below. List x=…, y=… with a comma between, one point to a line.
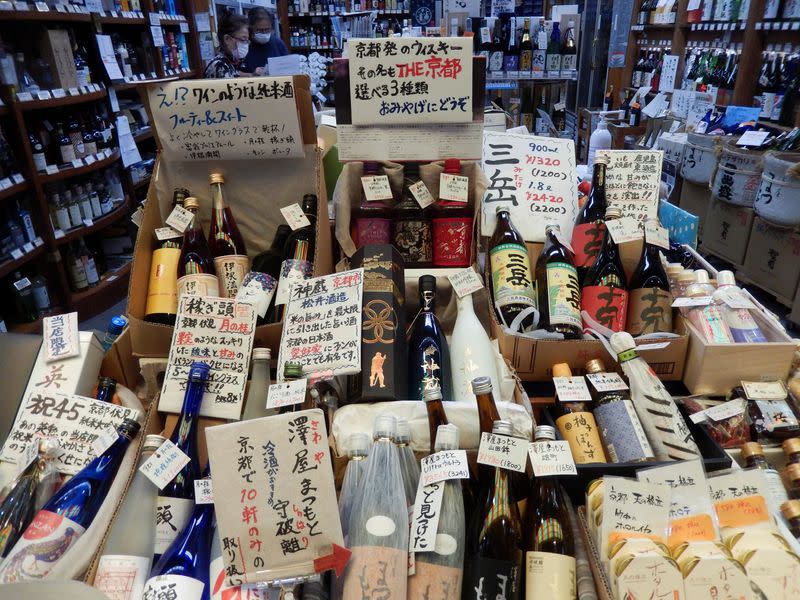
x=376, y=188
x=203, y=491
x=127, y=145
x=61, y=337
x=179, y=218
x=218, y=332
x=287, y=394
x=752, y=138
x=624, y=229
x=28, y=455
x=503, y=451
x=607, y=382
x=454, y=187
x=202, y=22
x=446, y=464
x=551, y=458
x=106, y=49
x=633, y=507
x=158, y=35
x=572, y=389
x=164, y=464
x=669, y=70
x=734, y=299
x=534, y=177
x=465, y=282
x=421, y=194
x=687, y=480
x=295, y=216
x=633, y=178
x=167, y=233
x=719, y=412
x=425, y=517
x=656, y=235
x=104, y=440
x=410, y=80
x=764, y=390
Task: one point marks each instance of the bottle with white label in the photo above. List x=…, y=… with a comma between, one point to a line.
x=753, y=456
x=439, y=572
x=89, y=265
x=76, y=269
x=62, y=213
x=707, y=318
x=255, y=405
x=744, y=328
x=128, y=553
x=379, y=522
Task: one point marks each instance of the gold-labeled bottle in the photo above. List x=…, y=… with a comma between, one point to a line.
x=226, y=242
x=161, y=305
x=577, y=425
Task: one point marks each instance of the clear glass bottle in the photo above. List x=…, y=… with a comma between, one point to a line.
x=255, y=405
x=791, y=512
x=472, y=353
x=740, y=321
x=115, y=328
x=707, y=319
x=358, y=447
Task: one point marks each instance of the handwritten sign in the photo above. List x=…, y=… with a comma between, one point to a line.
x=552, y=457
x=534, y=177
x=230, y=119
x=607, y=382
x=633, y=509
x=164, y=464
x=503, y=451
x=465, y=282
x=286, y=394
x=274, y=495
x=764, y=390
x=75, y=421
x=219, y=332
x=421, y=194
x=572, y=389
x=633, y=178
x=60, y=334
x=425, y=517
x=625, y=229
x=295, y=216
x=454, y=187
x=322, y=325
x=376, y=188
x=410, y=80
x=446, y=464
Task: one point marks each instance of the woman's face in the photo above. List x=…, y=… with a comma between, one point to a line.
x=240, y=38
x=262, y=31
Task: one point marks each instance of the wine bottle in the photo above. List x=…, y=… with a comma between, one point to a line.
x=436, y=412
x=577, y=425
x=559, y=292
x=255, y=406
x=513, y=287
x=412, y=229
x=438, y=573
x=495, y=62
x=650, y=309
x=379, y=522
x=195, y=266
x=270, y=260
x=106, y=388
x=549, y=548
x=128, y=551
x=605, y=295
x=473, y=354
x=589, y=229
x=428, y=353
x=409, y=466
x=371, y=222
x=569, y=51
x=18, y=507
x=298, y=257
x=525, y=49
x=225, y=242
x=176, y=499
x=67, y=515
x=493, y=546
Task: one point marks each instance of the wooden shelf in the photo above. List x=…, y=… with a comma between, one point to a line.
x=381, y=13
x=102, y=294
x=12, y=265
x=44, y=178
x=46, y=15
x=142, y=183
x=14, y=190
x=145, y=133
x=100, y=223
x=111, y=20
x=68, y=100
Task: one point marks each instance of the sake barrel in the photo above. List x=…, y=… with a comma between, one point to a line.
x=738, y=174
x=778, y=197
x=699, y=158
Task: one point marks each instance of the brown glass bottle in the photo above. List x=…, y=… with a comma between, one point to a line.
x=196, y=273
x=559, y=292
x=512, y=285
x=436, y=413
x=577, y=425
x=650, y=301
x=412, y=231
x=753, y=455
x=226, y=242
x=791, y=449
x=298, y=254
x=791, y=512
x=589, y=229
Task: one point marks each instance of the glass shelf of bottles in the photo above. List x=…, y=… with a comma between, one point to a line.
x=60, y=97
x=356, y=13
x=778, y=26
x=649, y=27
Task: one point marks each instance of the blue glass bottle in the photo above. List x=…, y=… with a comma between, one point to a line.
x=106, y=388
x=64, y=518
x=428, y=355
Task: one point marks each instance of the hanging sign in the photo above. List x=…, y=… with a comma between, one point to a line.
x=633, y=178
x=61, y=338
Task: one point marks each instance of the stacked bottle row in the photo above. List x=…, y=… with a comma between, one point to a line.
x=312, y=37
x=584, y=289
x=648, y=67
x=302, y=7
x=84, y=199
x=653, y=12
x=778, y=87
x=33, y=74
x=705, y=69
x=174, y=53
x=68, y=135
x=17, y=232
x=85, y=262
x=134, y=56
x=719, y=10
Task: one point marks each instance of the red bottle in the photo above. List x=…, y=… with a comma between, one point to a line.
x=371, y=222
x=452, y=227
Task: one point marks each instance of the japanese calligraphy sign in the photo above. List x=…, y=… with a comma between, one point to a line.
x=534, y=177
x=75, y=421
x=217, y=331
x=633, y=509
x=60, y=333
x=322, y=325
x=740, y=498
x=222, y=119
x=633, y=178
x=274, y=495
x=410, y=80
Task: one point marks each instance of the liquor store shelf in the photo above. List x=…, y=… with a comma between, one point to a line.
x=78, y=171
x=104, y=294
x=12, y=265
x=100, y=223
x=14, y=190
x=145, y=133
x=381, y=13
x=112, y=20
x=63, y=101
x=46, y=15
x=133, y=84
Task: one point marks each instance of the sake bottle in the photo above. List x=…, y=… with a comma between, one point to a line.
x=428, y=351
x=577, y=425
x=436, y=412
x=128, y=552
x=408, y=462
x=379, y=522
x=438, y=573
x=650, y=309
x=218, y=588
x=471, y=352
x=590, y=227
x=255, y=405
x=357, y=451
x=559, y=292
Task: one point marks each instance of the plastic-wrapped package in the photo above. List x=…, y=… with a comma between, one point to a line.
x=727, y=424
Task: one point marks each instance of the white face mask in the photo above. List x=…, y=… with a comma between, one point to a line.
x=262, y=38
x=242, y=49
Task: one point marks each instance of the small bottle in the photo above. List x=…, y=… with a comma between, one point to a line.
x=106, y=388
x=255, y=406
x=792, y=474
x=577, y=425
x=707, y=319
x=791, y=449
x=115, y=328
x=226, y=242
x=196, y=275
x=559, y=291
x=791, y=512
x=472, y=353
x=408, y=462
x=753, y=455
x=740, y=321
x=436, y=412
x=428, y=351
x=371, y=219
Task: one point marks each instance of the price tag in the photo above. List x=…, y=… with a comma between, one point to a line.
x=16, y=254
x=77, y=163
x=656, y=235
x=61, y=8
x=465, y=282
x=103, y=441
x=184, y=27
x=59, y=93
x=454, y=187
x=58, y=234
x=720, y=412
x=425, y=517
x=203, y=491
x=503, y=451
x=17, y=178
x=286, y=394
x=179, y=218
x=421, y=194
x=686, y=302
x=29, y=454
x=88, y=222
x=572, y=389
x=764, y=390
x=21, y=284
x=5, y=183
x=607, y=382
x=24, y=96
x=44, y=94
x=90, y=159
x=734, y=299
x=552, y=457
x=295, y=216
x=752, y=138
x=164, y=464
x=6, y=5
x=136, y=218
x=167, y=233
x=38, y=242
x=376, y=188
x=21, y=6
x=155, y=18
x=28, y=247
x=447, y=464
x=74, y=91
x=624, y=229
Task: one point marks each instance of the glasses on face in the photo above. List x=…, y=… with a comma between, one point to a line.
x=263, y=30
x=244, y=39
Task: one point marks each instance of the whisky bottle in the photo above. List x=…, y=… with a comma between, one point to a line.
x=195, y=269
x=412, y=232
x=225, y=242
x=371, y=220
x=298, y=255
x=255, y=406
x=559, y=292
x=577, y=425
x=525, y=49
x=452, y=227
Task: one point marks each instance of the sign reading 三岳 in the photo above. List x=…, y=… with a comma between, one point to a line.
x=410, y=80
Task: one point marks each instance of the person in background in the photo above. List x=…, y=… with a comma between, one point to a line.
x=265, y=44
x=234, y=41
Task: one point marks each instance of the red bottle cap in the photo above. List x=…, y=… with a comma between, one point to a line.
x=452, y=166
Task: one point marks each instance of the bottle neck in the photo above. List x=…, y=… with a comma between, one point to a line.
x=427, y=301
x=183, y=435
x=465, y=304
x=758, y=461
x=217, y=196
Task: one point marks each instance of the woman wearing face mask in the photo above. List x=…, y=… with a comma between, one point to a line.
x=266, y=43
x=234, y=42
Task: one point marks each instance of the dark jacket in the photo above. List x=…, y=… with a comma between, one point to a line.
x=259, y=53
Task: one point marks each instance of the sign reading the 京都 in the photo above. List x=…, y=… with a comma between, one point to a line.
x=410, y=80
x=227, y=119
x=633, y=179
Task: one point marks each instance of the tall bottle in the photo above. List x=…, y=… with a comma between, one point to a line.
x=549, y=547
x=605, y=289
x=298, y=255
x=428, y=353
x=270, y=260
x=128, y=552
x=162, y=289
x=493, y=547
x=527, y=112
x=412, y=229
x=176, y=499
x=740, y=321
x=106, y=388
x=67, y=515
x=753, y=455
x=452, y=227
x=526, y=49
x=379, y=522
x=439, y=573
x=472, y=353
x=513, y=286
x=650, y=309
x=358, y=445
x=540, y=52
x=225, y=242
x=553, y=63
x=255, y=406
x=590, y=227
x=195, y=266
x=569, y=51
x=409, y=466
x=371, y=220
x=577, y=425
x=436, y=413
x=559, y=291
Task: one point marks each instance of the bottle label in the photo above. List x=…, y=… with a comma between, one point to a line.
x=708, y=320
x=75, y=215
x=198, y=284
x=122, y=577
x=541, y=126
x=173, y=586
x=91, y=270
x=172, y=515
x=231, y=270
x=220, y=591
x=48, y=529
x=414, y=240
x=162, y=295
x=77, y=143
x=511, y=62
x=512, y=282
x=580, y=430
x=292, y=271
x=496, y=61
x=531, y=124
x=569, y=62
x=90, y=147
x=95, y=201
x=62, y=216
x=374, y=570
x=776, y=414
x=622, y=432
x=39, y=161
x=372, y=231
x=40, y=297
x=525, y=60
x=538, y=61
x=563, y=294
x=550, y=575
x=587, y=240
x=776, y=491
x=606, y=305
x=650, y=311
x=78, y=273
x=553, y=62
x=434, y=582
x=452, y=241
x=490, y=579
x=743, y=327
x=67, y=153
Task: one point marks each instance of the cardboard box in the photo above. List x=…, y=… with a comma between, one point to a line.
x=57, y=51
x=695, y=199
x=727, y=230
x=773, y=259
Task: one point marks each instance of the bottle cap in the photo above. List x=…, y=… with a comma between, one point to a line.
x=752, y=449
x=544, y=432
x=790, y=509
x=446, y=438
x=49, y=447
x=701, y=276
x=622, y=341
x=358, y=444
x=561, y=370
x=613, y=212
x=117, y=325
x=153, y=441
x=191, y=203
x=452, y=166
x=385, y=426
x=427, y=283
x=371, y=167
x=216, y=178
x=292, y=370
x=791, y=446
x=262, y=354
x=198, y=372
x=403, y=431
x=601, y=159
x=726, y=278
x=129, y=428
x=179, y=195
x=503, y=427
x=696, y=290
x=434, y=393
x=793, y=473
x=107, y=382
x=411, y=170
x=595, y=366
x=550, y=226
x=482, y=385
x=500, y=209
